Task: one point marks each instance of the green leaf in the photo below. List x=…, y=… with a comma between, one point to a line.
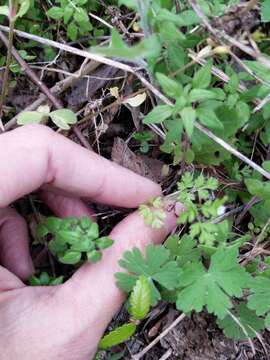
x=258, y=188
x=42, y=231
x=82, y=244
x=188, y=115
x=140, y=299
x=185, y=18
x=259, y=69
x=155, y=217
x=70, y=257
x=158, y=114
x=24, y=7
x=171, y=87
x=267, y=321
x=104, y=242
x=4, y=10
x=149, y=47
x=55, y=13
x=93, y=231
x=131, y=4
x=68, y=11
x=57, y=246
x=80, y=15
x=241, y=324
x=184, y=249
x=63, y=117
x=266, y=165
x=254, y=186
x=188, y=18
x=53, y=223
x=265, y=11
x=117, y=336
x=94, y=256
x=72, y=31
x=208, y=118
x=69, y=236
x=243, y=112
x=213, y=287
x=30, y=117
x=156, y=266
x=57, y=281
x=202, y=78
x=259, y=300
x=34, y=281
x=201, y=95
x=233, y=84
x=44, y=278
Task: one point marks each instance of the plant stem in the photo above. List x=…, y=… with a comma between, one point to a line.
x=12, y=20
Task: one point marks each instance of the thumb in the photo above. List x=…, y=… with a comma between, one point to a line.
x=97, y=297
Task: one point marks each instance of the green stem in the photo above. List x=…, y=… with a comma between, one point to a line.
x=143, y=6
x=12, y=20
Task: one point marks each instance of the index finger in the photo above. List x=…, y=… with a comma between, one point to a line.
x=34, y=155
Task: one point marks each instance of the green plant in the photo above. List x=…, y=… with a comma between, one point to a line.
x=216, y=265
x=144, y=138
x=153, y=213
x=44, y=279
x=62, y=118
x=140, y=301
x=195, y=195
x=74, y=15
x=200, y=270
x=73, y=240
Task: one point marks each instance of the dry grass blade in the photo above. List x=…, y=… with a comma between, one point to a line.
x=57, y=89
x=158, y=338
x=221, y=35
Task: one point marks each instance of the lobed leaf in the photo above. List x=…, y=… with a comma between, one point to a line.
x=215, y=287
x=241, y=324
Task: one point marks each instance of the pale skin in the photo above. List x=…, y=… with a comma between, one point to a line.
x=65, y=321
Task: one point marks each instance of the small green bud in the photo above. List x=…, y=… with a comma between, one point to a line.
x=94, y=256
x=104, y=242
x=85, y=223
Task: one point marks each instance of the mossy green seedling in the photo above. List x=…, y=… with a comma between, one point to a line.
x=72, y=240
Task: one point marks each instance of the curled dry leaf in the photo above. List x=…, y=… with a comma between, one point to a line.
x=114, y=91
x=136, y=100
x=44, y=109
x=140, y=164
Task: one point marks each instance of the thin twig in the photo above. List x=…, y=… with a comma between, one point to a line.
x=43, y=87
x=215, y=71
x=158, y=338
x=261, y=104
x=166, y=355
x=154, y=90
x=244, y=331
x=70, y=49
x=221, y=35
x=30, y=73
x=101, y=20
x=12, y=20
x=254, y=200
x=57, y=89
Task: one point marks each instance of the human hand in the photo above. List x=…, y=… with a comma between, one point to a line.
x=65, y=321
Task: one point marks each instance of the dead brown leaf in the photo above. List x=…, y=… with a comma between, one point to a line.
x=140, y=164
